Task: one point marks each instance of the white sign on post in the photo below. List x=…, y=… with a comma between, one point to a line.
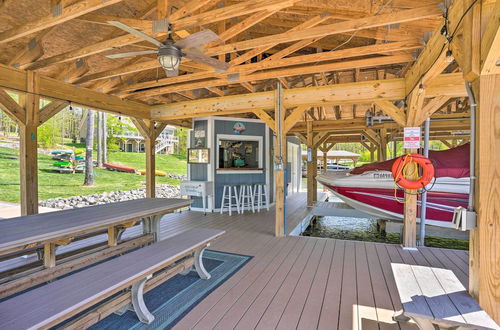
x=411, y=138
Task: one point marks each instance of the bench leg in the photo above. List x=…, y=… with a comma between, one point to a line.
x=400, y=317
x=151, y=225
x=138, y=301
x=424, y=324
x=186, y=271
x=198, y=264
x=124, y=309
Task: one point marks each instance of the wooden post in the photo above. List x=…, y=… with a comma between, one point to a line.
x=49, y=255
x=150, y=131
x=484, y=250
x=325, y=159
x=310, y=166
x=149, y=145
x=28, y=147
x=383, y=144
x=280, y=163
x=314, y=174
x=409, y=239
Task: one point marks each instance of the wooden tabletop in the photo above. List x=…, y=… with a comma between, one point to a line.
x=20, y=232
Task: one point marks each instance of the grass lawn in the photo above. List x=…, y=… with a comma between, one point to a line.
x=53, y=184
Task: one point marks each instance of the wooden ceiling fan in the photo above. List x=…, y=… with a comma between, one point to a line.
x=170, y=52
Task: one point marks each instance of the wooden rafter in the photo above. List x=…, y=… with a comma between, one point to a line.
x=51, y=110
x=72, y=11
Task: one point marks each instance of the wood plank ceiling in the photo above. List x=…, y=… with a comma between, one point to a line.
x=299, y=43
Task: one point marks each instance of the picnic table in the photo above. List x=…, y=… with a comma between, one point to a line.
x=61, y=227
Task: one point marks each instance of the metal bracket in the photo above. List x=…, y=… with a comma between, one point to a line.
x=198, y=264
x=138, y=301
x=160, y=25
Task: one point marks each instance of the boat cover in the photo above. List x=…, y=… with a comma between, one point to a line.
x=452, y=163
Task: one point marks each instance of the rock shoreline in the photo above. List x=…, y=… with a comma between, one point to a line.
x=162, y=191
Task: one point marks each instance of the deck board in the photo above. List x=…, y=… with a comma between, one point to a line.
x=297, y=282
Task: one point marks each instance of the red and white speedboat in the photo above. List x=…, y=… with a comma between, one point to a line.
x=370, y=188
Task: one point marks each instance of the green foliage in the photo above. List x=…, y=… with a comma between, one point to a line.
x=182, y=134
x=52, y=184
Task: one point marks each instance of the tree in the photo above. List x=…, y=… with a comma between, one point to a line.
x=89, y=144
x=182, y=135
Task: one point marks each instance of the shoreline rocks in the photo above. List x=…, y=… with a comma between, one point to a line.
x=162, y=191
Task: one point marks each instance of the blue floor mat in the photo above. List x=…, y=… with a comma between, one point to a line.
x=171, y=300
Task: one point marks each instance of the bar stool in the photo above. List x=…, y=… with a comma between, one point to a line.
x=260, y=193
x=246, y=197
x=229, y=193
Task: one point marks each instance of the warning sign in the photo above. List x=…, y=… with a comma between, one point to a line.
x=411, y=138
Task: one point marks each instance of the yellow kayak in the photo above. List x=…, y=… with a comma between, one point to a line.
x=157, y=173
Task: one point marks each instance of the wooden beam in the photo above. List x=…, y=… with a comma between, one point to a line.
x=50, y=110
x=393, y=111
x=216, y=91
x=68, y=13
x=285, y=72
x=431, y=107
x=294, y=117
x=259, y=50
x=330, y=29
x=11, y=107
x=366, y=92
x=248, y=23
x=16, y=79
x=162, y=7
x=414, y=103
x=490, y=44
x=248, y=86
x=264, y=116
x=320, y=138
x=295, y=60
x=280, y=72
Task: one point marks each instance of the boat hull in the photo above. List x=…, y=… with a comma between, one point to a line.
x=374, y=193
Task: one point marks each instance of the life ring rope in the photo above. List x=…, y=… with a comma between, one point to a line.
x=401, y=178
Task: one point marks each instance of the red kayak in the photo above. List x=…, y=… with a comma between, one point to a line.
x=119, y=168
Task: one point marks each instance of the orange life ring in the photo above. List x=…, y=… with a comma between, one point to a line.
x=425, y=178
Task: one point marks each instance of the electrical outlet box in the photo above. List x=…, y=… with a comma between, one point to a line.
x=464, y=219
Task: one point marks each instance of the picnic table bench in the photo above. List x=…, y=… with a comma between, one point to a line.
x=435, y=298
x=53, y=303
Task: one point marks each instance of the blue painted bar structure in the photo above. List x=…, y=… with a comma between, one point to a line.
x=208, y=132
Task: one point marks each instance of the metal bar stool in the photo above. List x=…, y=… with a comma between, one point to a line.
x=260, y=196
x=229, y=193
x=246, y=197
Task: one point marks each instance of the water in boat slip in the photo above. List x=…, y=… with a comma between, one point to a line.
x=363, y=229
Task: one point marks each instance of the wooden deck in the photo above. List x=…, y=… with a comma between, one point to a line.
x=302, y=282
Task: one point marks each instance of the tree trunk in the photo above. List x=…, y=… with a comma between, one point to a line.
x=99, y=139
x=104, y=137
x=89, y=143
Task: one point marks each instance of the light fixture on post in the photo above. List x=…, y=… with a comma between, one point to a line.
x=169, y=57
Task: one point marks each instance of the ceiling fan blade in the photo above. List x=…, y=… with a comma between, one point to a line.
x=172, y=73
x=129, y=54
x=135, y=32
x=197, y=39
x=202, y=58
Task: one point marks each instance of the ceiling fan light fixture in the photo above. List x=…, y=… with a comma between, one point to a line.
x=169, y=57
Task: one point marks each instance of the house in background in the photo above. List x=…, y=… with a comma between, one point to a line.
x=133, y=141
